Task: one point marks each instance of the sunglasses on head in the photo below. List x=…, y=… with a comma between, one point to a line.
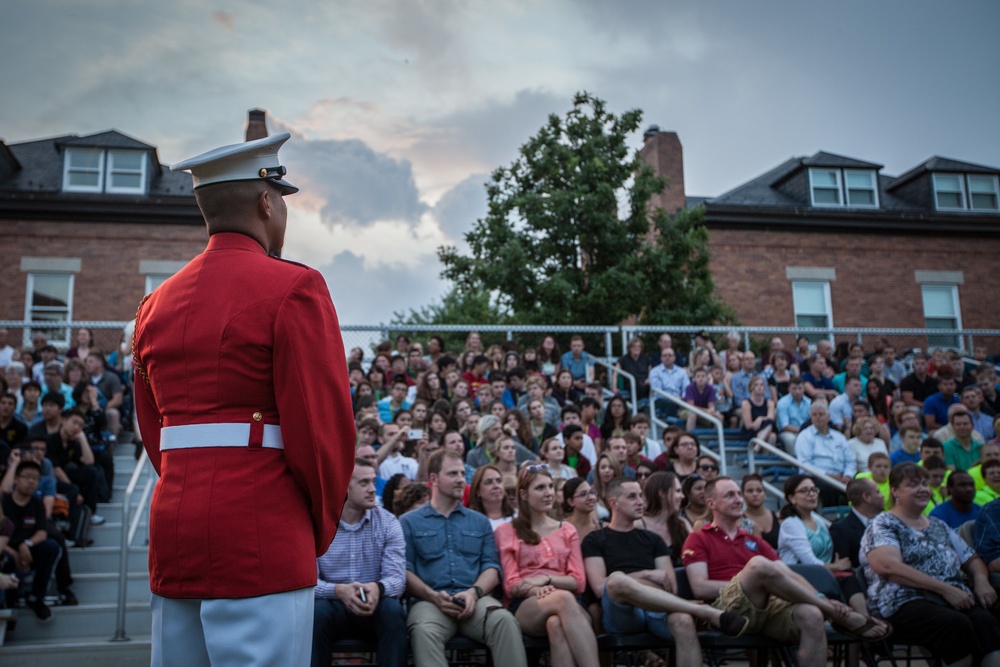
x=533, y=469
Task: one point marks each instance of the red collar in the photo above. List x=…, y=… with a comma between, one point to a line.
x=233, y=241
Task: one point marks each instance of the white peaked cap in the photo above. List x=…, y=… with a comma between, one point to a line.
x=249, y=161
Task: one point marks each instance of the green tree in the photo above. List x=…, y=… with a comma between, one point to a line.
x=456, y=307
x=567, y=237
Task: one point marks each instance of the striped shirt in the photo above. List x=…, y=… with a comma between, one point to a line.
x=370, y=550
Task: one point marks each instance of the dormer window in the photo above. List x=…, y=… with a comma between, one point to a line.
x=960, y=192
x=843, y=187
x=109, y=171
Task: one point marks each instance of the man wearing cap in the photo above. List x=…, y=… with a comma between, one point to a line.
x=244, y=407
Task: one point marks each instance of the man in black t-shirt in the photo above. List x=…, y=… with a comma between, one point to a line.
x=12, y=430
x=629, y=570
x=918, y=385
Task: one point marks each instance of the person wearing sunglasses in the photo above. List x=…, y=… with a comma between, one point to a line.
x=708, y=468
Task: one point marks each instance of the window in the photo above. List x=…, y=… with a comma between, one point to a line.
x=812, y=306
x=50, y=299
x=154, y=280
x=84, y=170
x=843, y=187
x=959, y=192
x=941, y=311
x=97, y=170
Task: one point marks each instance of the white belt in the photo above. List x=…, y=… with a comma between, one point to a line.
x=191, y=436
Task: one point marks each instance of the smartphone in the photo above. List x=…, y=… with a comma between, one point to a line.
x=415, y=434
x=459, y=601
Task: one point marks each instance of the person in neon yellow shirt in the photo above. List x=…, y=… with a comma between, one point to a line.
x=938, y=472
x=991, y=473
x=879, y=465
x=990, y=451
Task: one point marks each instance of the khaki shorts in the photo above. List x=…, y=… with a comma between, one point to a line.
x=775, y=621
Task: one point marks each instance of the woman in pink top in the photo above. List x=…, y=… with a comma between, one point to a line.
x=543, y=572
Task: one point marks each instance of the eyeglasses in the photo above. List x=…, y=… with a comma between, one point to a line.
x=708, y=466
x=811, y=491
x=585, y=494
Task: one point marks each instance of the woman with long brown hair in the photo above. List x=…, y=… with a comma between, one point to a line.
x=580, y=506
x=543, y=573
x=487, y=496
x=664, y=496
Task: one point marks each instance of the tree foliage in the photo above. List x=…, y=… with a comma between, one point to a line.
x=567, y=236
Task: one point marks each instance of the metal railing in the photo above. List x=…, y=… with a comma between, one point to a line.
x=612, y=385
x=754, y=443
x=715, y=421
x=130, y=526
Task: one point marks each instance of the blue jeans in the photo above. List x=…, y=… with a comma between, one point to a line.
x=387, y=626
x=624, y=619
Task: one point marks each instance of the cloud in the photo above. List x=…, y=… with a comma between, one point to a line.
x=358, y=185
x=459, y=208
x=226, y=19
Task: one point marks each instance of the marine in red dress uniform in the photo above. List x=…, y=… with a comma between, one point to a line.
x=243, y=404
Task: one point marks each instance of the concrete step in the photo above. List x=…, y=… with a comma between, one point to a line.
x=97, y=651
x=103, y=559
x=102, y=587
x=85, y=620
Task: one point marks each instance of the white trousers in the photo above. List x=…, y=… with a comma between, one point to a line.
x=266, y=631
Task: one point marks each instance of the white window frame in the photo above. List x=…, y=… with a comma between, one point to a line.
x=827, y=302
x=112, y=170
x=955, y=341
x=995, y=192
x=68, y=171
x=840, y=187
x=843, y=192
x=873, y=181
x=29, y=310
x=154, y=280
x=961, y=191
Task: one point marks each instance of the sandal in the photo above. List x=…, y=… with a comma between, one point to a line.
x=650, y=659
x=861, y=631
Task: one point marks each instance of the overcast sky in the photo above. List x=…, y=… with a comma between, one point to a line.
x=399, y=110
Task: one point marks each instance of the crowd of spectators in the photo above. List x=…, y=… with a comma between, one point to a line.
x=533, y=499
x=60, y=415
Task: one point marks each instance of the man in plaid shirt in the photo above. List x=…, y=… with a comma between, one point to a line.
x=361, y=577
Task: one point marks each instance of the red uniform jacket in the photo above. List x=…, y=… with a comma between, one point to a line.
x=240, y=337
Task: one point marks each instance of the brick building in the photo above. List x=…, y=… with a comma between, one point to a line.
x=831, y=241
x=90, y=224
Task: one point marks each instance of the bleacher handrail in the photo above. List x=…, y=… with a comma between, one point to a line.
x=782, y=454
x=611, y=381
x=129, y=527
x=715, y=421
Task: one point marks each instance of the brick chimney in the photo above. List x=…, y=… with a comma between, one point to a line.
x=256, y=127
x=663, y=152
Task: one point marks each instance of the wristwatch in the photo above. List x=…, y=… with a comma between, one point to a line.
x=479, y=592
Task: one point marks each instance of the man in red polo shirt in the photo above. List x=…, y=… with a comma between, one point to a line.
x=739, y=572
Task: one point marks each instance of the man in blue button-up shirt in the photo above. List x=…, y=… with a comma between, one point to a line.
x=793, y=412
x=825, y=448
x=451, y=565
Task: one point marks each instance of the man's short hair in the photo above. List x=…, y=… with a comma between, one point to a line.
x=909, y=429
x=970, y=387
x=480, y=359
x=614, y=487
x=400, y=378
x=589, y=402
x=55, y=366
x=73, y=412
x=55, y=399
x=497, y=376
x=955, y=474
x=436, y=460
x=712, y=483
x=796, y=379
x=959, y=413
x=576, y=338
x=371, y=424
x=48, y=348
x=919, y=355
x=569, y=408
x=934, y=463
x=944, y=373
x=9, y=397
x=516, y=372
x=931, y=443
x=536, y=380
x=446, y=360
x=27, y=465
x=856, y=490
x=358, y=461
x=639, y=418
x=17, y=367
x=878, y=456
x=629, y=436
x=570, y=431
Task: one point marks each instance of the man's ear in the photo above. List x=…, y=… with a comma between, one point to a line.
x=264, y=204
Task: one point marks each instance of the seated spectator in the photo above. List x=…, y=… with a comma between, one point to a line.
x=817, y=384
x=938, y=474
x=867, y=502
x=571, y=439
x=987, y=535
x=629, y=570
x=517, y=426
x=906, y=417
x=792, y=412
x=758, y=413
x=765, y=522
x=30, y=544
x=649, y=448
x=915, y=569
x=73, y=462
x=45, y=355
x=779, y=378
x=488, y=431
x=571, y=416
x=29, y=407
x=536, y=392
x=879, y=466
x=986, y=378
x=852, y=369
x=916, y=387
x=395, y=401
x=959, y=507
x=543, y=573
x=695, y=510
x=579, y=363
x=553, y=454
x=669, y=437
x=961, y=452
x=487, y=496
x=739, y=380
x=936, y=406
x=670, y=379
x=504, y=455
x=356, y=595
x=390, y=454
x=606, y=470
x=516, y=379
x=982, y=422
x=842, y=407
x=617, y=450
x=991, y=475
x=805, y=539
x=12, y=430
x=615, y=421
x=409, y=498
x=738, y=572
x=723, y=393
x=663, y=496
x=452, y=566
x=708, y=467
x=549, y=357
x=681, y=457
x=580, y=506
x=633, y=451
x=94, y=427
x=564, y=391
x=911, y=437
x=864, y=443
x=52, y=382
x=636, y=363
x=827, y=450
x=109, y=385
x=590, y=413
x=700, y=394
x=988, y=452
